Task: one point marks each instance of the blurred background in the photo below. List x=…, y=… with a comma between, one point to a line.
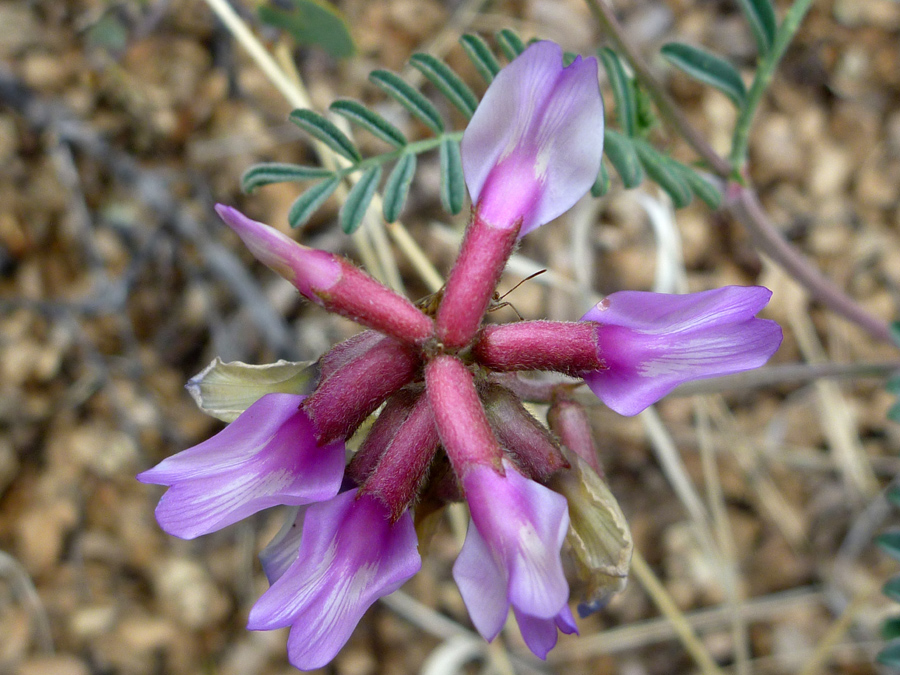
x=122, y=123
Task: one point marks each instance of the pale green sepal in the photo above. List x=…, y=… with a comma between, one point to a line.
x=225, y=390
x=598, y=535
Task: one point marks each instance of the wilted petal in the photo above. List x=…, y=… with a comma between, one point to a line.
x=350, y=555
x=652, y=342
x=523, y=525
x=541, y=634
x=534, y=145
x=266, y=457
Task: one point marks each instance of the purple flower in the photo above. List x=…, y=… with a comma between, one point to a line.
x=266, y=457
x=534, y=145
x=511, y=556
x=350, y=554
x=652, y=342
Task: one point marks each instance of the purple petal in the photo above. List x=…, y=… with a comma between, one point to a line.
x=653, y=342
x=256, y=462
x=350, y=555
x=281, y=552
x=232, y=446
x=541, y=634
x=482, y=585
x=524, y=525
x=668, y=313
x=534, y=145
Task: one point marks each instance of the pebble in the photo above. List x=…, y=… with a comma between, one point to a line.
x=188, y=594
x=54, y=665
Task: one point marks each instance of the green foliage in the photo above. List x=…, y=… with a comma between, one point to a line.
x=312, y=22
x=407, y=96
x=661, y=169
x=375, y=124
x=601, y=184
x=707, y=68
x=453, y=185
x=481, y=56
x=627, y=150
x=273, y=172
x=761, y=16
x=449, y=83
x=623, y=156
x=324, y=130
x=310, y=201
x=108, y=32
x=510, y=43
x=623, y=91
x=396, y=189
x=358, y=200
x=895, y=332
x=890, y=628
x=890, y=655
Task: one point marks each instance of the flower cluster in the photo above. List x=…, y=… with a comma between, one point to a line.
x=451, y=424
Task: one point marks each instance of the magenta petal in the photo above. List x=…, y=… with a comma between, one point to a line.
x=652, y=342
x=534, y=145
x=482, y=585
x=350, y=555
x=541, y=634
x=523, y=525
x=308, y=269
x=266, y=457
x=281, y=552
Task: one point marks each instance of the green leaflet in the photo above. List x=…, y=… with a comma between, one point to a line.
x=407, y=96
x=324, y=130
x=312, y=22
x=707, y=68
x=358, y=200
x=621, y=153
x=658, y=167
x=396, y=189
x=510, y=43
x=310, y=201
x=453, y=185
x=448, y=82
x=481, y=56
x=623, y=90
x=761, y=17
x=601, y=184
x=375, y=124
x=273, y=172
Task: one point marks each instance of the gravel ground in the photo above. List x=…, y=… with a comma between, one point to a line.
x=117, y=284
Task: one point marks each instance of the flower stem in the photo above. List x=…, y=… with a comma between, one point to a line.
x=761, y=81
x=746, y=207
x=605, y=16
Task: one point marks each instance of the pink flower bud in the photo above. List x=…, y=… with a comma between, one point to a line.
x=526, y=440
x=397, y=478
x=460, y=418
x=565, y=347
x=331, y=281
x=349, y=395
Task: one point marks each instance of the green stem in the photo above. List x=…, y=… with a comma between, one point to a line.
x=761, y=81
x=412, y=148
